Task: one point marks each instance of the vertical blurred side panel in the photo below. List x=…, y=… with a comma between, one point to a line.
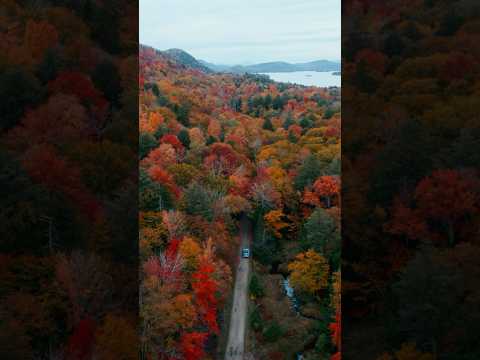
x=68, y=179
x=410, y=165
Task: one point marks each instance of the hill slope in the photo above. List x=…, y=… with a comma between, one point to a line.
x=186, y=59
x=173, y=58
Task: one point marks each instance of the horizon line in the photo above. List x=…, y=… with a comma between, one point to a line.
x=339, y=61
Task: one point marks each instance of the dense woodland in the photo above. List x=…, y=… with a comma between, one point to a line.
x=214, y=147
x=410, y=170
x=68, y=173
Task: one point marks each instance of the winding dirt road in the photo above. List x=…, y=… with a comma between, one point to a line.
x=238, y=319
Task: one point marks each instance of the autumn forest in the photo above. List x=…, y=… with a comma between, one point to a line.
x=185, y=204
x=215, y=148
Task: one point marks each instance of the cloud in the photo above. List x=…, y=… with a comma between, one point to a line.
x=232, y=31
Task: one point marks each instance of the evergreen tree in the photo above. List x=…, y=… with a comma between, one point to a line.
x=267, y=102
x=308, y=172
x=256, y=287
x=236, y=104
x=292, y=137
x=250, y=105
x=306, y=123
x=277, y=103
x=334, y=168
x=211, y=140
x=257, y=102
x=146, y=144
x=267, y=124
x=183, y=112
x=161, y=130
x=288, y=121
x=320, y=230
x=184, y=138
x=198, y=201
x=155, y=90
x=328, y=113
x=222, y=134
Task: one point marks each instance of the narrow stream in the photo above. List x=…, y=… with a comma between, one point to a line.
x=289, y=291
x=291, y=294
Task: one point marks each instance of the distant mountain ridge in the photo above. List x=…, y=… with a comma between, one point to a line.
x=215, y=67
x=184, y=58
x=278, y=66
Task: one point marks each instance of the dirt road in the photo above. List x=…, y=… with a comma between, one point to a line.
x=238, y=319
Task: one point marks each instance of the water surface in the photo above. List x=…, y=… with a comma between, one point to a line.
x=308, y=78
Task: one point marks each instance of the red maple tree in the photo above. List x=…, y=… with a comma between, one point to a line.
x=192, y=345
x=204, y=287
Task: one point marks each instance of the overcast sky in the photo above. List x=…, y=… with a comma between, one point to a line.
x=244, y=31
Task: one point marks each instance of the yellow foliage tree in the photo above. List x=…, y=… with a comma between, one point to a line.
x=237, y=204
x=283, y=153
x=309, y=272
x=165, y=314
x=280, y=180
x=190, y=251
x=274, y=222
x=152, y=233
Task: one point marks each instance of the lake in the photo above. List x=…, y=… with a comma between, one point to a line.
x=307, y=78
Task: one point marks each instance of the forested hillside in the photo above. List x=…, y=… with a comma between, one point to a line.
x=411, y=179
x=68, y=180
x=213, y=147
